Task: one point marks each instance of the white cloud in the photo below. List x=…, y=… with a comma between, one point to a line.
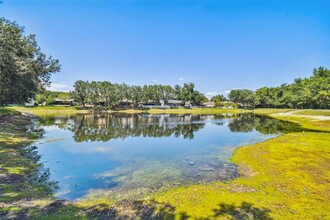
x=181, y=78
x=59, y=87
x=154, y=80
x=210, y=94
x=228, y=91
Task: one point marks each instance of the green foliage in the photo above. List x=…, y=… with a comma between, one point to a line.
x=24, y=69
x=219, y=98
x=118, y=95
x=47, y=97
x=81, y=91
x=225, y=104
x=312, y=92
x=243, y=97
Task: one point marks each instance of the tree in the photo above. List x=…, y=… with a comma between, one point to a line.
x=187, y=92
x=198, y=98
x=243, y=97
x=262, y=97
x=81, y=91
x=65, y=97
x=24, y=69
x=219, y=98
x=137, y=95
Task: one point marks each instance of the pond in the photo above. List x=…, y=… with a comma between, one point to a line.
x=131, y=155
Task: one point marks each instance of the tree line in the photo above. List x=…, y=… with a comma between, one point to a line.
x=113, y=95
x=312, y=92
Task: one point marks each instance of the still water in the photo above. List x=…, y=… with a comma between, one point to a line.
x=129, y=156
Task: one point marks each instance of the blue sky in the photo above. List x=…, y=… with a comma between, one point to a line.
x=218, y=45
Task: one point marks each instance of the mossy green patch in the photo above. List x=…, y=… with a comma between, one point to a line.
x=283, y=178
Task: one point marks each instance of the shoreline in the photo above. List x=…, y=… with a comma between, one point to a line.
x=189, y=199
x=78, y=110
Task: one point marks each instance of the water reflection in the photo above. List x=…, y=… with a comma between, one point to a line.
x=87, y=127
x=133, y=155
x=262, y=124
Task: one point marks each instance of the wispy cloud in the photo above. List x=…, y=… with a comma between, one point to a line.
x=59, y=87
x=210, y=94
x=228, y=91
x=181, y=78
x=154, y=80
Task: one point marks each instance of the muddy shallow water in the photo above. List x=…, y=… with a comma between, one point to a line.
x=125, y=155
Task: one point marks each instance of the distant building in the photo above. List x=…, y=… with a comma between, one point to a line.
x=58, y=101
x=30, y=103
x=174, y=103
x=209, y=104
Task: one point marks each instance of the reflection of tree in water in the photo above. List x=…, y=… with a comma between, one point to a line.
x=38, y=175
x=114, y=126
x=33, y=182
x=262, y=124
x=87, y=127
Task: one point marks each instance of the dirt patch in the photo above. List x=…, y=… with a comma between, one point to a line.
x=296, y=113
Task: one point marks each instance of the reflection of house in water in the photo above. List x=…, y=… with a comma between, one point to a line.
x=63, y=120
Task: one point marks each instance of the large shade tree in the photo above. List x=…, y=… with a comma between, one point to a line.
x=24, y=69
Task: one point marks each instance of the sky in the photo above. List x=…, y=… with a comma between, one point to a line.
x=218, y=45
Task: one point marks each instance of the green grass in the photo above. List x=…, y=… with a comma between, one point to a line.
x=282, y=178
x=45, y=108
x=197, y=111
x=57, y=109
x=6, y=111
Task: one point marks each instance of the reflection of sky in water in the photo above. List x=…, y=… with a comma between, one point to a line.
x=79, y=167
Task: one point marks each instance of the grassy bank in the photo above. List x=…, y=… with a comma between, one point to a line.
x=21, y=176
x=283, y=178
x=48, y=109
x=75, y=109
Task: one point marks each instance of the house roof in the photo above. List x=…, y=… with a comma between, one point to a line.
x=208, y=103
x=60, y=100
x=174, y=102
